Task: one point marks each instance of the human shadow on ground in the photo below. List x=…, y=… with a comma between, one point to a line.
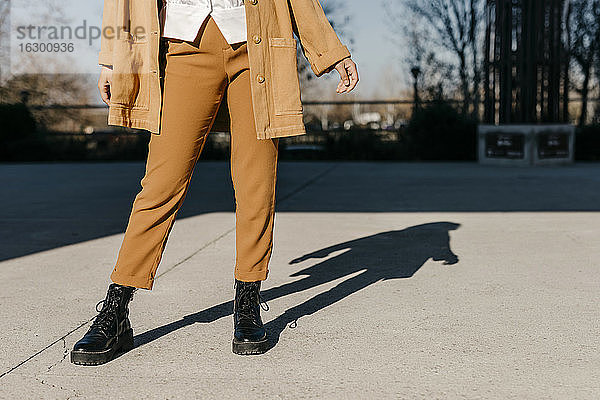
x=386, y=255
x=51, y=205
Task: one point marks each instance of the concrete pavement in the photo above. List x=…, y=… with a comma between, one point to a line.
x=388, y=280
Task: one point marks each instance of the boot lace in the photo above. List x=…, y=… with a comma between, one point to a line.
x=244, y=298
x=107, y=315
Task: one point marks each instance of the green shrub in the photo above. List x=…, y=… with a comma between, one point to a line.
x=439, y=132
x=587, y=143
x=19, y=138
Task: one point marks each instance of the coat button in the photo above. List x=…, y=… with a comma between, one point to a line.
x=260, y=78
x=257, y=39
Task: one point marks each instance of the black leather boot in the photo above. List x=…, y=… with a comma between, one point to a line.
x=249, y=336
x=110, y=332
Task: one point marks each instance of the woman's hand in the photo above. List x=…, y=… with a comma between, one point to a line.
x=104, y=83
x=348, y=75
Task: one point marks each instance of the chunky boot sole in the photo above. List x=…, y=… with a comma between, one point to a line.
x=125, y=343
x=248, y=348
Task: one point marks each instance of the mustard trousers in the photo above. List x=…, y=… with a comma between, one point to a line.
x=197, y=76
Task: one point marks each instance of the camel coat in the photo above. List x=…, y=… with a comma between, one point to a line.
x=131, y=44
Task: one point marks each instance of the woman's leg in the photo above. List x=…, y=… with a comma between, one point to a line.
x=195, y=81
x=253, y=171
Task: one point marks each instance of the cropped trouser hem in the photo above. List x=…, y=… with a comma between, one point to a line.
x=251, y=276
x=141, y=282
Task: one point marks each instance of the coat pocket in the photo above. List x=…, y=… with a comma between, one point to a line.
x=285, y=85
x=130, y=87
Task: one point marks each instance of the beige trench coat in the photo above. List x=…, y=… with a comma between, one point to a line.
x=131, y=45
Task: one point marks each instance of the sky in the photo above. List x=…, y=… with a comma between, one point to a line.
x=381, y=74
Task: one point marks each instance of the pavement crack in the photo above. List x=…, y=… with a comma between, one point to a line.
x=215, y=240
x=306, y=184
x=46, y=348
x=297, y=190
x=46, y=383
x=64, y=356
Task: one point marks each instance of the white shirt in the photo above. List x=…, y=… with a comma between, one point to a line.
x=182, y=18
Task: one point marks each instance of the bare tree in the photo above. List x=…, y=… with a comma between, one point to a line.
x=475, y=12
x=449, y=28
x=34, y=87
x=436, y=72
x=415, y=55
x=584, y=46
x=4, y=38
